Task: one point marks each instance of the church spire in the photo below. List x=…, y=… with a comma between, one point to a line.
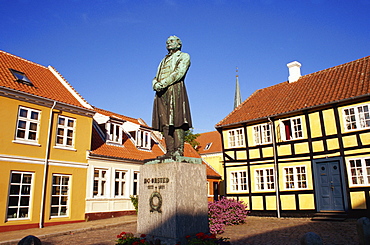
x=238, y=97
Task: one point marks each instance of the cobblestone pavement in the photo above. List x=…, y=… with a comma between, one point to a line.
x=263, y=230
x=257, y=230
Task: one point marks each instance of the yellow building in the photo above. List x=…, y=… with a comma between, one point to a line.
x=302, y=147
x=45, y=135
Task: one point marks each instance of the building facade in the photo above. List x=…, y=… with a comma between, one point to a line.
x=44, y=140
x=302, y=147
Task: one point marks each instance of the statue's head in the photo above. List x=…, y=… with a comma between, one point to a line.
x=173, y=43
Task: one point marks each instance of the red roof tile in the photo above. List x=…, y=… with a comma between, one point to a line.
x=204, y=139
x=334, y=84
x=46, y=84
x=122, y=117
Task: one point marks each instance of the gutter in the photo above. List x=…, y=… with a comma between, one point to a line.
x=46, y=165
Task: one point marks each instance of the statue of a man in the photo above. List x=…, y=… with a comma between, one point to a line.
x=171, y=110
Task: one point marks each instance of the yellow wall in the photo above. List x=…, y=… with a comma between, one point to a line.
x=358, y=200
x=31, y=158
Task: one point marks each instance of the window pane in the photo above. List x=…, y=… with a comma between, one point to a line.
x=22, y=124
x=23, y=113
x=34, y=115
x=16, y=178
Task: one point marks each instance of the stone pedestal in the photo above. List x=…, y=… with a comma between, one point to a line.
x=172, y=201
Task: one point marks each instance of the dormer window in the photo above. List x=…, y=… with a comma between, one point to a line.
x=114, y=132
x=21, y=77
x=207, y=146
x=143, y=139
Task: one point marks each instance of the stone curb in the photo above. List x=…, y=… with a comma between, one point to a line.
x=67, y=232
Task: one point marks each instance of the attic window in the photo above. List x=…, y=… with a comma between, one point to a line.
x=21, y=77
x=207, y=146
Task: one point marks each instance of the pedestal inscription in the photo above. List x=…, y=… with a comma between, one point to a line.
x=172, y=201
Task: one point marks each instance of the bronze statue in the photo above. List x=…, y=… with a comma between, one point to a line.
x=171, y=110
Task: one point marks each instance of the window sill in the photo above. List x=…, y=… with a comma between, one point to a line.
x=26, y=142
x=64, y=148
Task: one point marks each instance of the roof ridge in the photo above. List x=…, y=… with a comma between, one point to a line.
x=336, y=67
x=23, y=59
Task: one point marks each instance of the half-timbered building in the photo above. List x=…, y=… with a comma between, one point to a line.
x=302, y=147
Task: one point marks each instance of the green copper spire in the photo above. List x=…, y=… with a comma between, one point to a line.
x=238, y=97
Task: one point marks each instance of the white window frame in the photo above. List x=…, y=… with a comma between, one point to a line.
x=296, y=128
x=265, y=179
x=143, y=139
x=120, y=183
x=100, y=182
x=295, y=180
x=262, y=134
x=24, y=186
x=60, y=196
x=356, y=117
x=239, y=181
x=30, y=125
x=359, y=171
x=236, y=138
x=135, y=183
x=114, y=132
x=65, y=132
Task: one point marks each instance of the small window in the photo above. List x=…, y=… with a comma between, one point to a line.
x=357, y=117
x=100, y=182
x=19, y=195
x=60, y=196
x=291, y=129
x=28, y=124
x=208, y=146
x=143, y=139
x=114, y=133
x=120, y=183
x=295, y=177
x=21, y=77
x=265, y=179
x=65, y=131
x=239, y=181
x=236, y=138
x=262, y=134
x=359, y=170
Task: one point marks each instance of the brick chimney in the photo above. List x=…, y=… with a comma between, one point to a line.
x=294, y=71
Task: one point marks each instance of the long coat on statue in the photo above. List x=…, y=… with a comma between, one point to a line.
x=171, y=105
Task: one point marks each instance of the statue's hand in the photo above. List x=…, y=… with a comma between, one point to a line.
x=158, y=87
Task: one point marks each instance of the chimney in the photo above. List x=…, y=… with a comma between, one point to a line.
x=294, y=71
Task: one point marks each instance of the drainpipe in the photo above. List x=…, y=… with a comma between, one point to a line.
x=46, y=165
x=276, y=177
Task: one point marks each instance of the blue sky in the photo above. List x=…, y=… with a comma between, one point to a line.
x=109, y=50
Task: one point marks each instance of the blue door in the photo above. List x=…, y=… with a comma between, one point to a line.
x=329, y=186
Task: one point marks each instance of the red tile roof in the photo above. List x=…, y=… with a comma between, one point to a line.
x=130, y=152
x=338, y=83
x=46, y=84
x=214, y=138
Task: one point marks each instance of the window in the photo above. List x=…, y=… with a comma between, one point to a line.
x=120, y=183
x=239, y=181
x=262, y=134
x=236, y=137
x=357, y=117
x=100, y=182
x=28, y=124
x=295, y=177
x=65, y=131
x=143, y=139
x=360, y=171
x=114, y=132
x=135, y=183
x=207, y=146
x=265, y=179
x=19, y=195
x=59, y=196
x=291, y=129
x=21, y=77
